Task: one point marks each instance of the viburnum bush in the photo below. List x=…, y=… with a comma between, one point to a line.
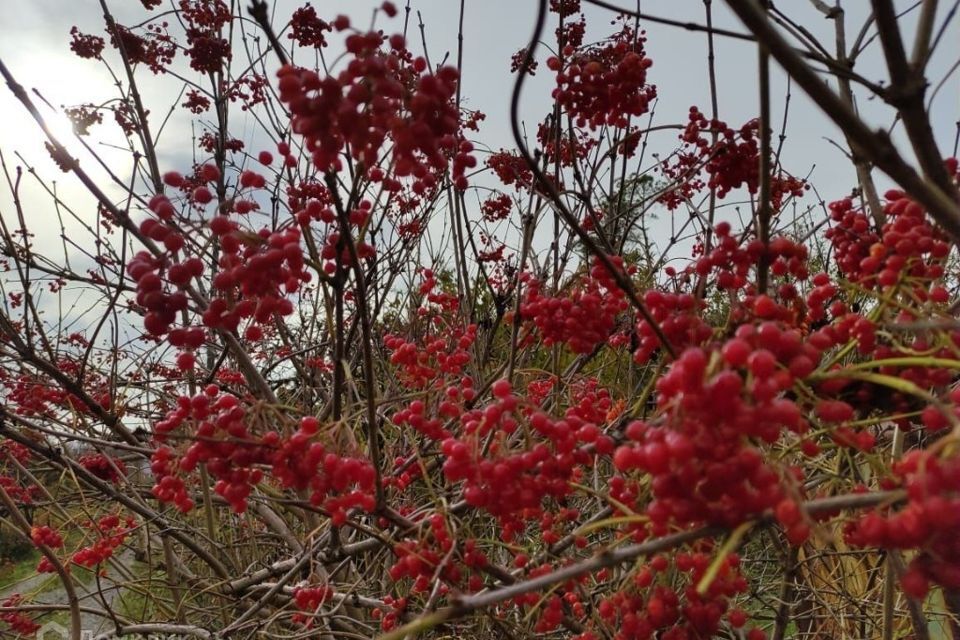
x=362, y=373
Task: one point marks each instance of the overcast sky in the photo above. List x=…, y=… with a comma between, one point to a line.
x=34, y=39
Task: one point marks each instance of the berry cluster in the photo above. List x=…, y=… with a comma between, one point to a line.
x=605, y=84
x=511, y=169
x=583, y=318
x=378, y=96
x=222, y=431
x=111, y=532
x=162, y=307
x=45, y=535
x=105, y=467
x=565, y=7
x=20, y=623
x=679, y=318
x=419, y=559
x=310, y=598
x=569, y=148
x=222, y=442
x=732, y=162
x=156, y=49
x=496, y=207
x=732, y=260
x=909, y=245
x=300, y=464
x=83, y=117
x=510, y=480
x=307, y=29
x=710, y=412
x=85, y=45
x=647, y=609
x=928, y=522
x=256, y=272
x=204, y=20
x=432, y=359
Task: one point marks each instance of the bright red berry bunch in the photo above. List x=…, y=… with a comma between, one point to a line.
x=680, y=319
x=605, y=84
x=711, y=409
x=336, y=483
x=45, y=535
x=927, y=522
x=162, y=307
x=105, y=467
x=111, y=532
x=511, y=481
x=581, y=319
x=646, y=607
x=256, y=274
x=730, y=163
x=511, y=169
x=19, y=622
x=307, y=29
x=380, y=95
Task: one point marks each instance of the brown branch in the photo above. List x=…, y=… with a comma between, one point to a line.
x=906, y=92
x=874, y=145
x=868, y=188
x=764, y=212
x=258, y=11
x=615, y=557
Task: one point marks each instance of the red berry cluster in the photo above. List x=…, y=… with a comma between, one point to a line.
x=223, y=439
x=518, y=61
x=581, y=319
x=496, y=207
x=301, y=464
x=511, y=169
x=83, y=117
x=592, y=403
x=565, y=7
x=605, y=84
x=156, y=49
x=307, y=29
x=646, y=609
x=256, y=273
x=732, y=162
x=20, y=623
x=379, y=96
x=104, y=467
x=222, y=442
x=679, y=318
x=509, y=479
x=15, y=489
x=310, y=598
x=571, y=147
x=433, y=359
x=710, y=411
x=85, y=45
x=909, y=245
x=162, y=307
x=45, y=535
x=397, y=607
x=853, y=240
x=732, y=260
x=570, y=35
x=204, y=20
x=250, y=90
x=111, y=532
x=419, y=559
x=928, y=523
